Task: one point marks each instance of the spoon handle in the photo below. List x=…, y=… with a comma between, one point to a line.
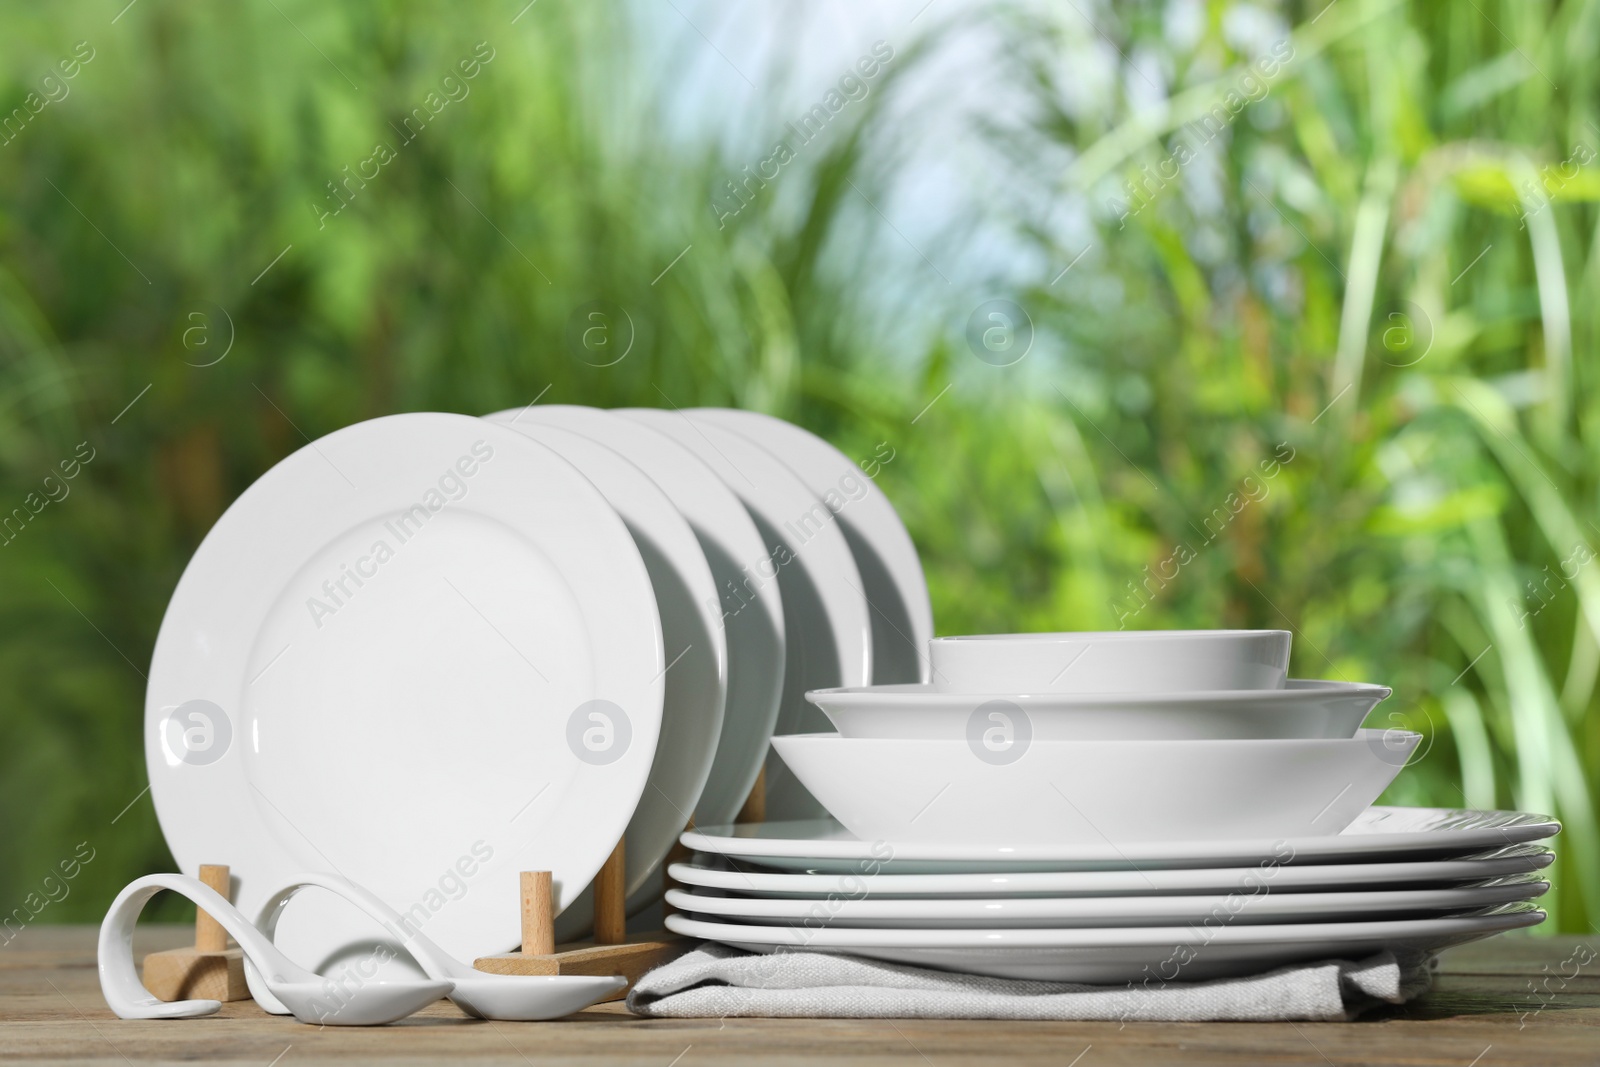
x=434, y=961
x=119, y=978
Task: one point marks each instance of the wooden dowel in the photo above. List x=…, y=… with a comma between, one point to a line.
x=680, y=852
x=755, y=805
x=610, y=900
x=209, y=936
x=538, y=914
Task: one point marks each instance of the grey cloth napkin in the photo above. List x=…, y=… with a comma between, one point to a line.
x=718, y=982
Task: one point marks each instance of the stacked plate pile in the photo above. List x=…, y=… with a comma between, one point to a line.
x=429, y=651
x=1111, y=807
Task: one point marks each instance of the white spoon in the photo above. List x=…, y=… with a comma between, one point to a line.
x=512, y=998
x=309, y=997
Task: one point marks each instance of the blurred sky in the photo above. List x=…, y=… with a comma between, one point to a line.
x=946, y=225
x=945, y=229
x=940, y=221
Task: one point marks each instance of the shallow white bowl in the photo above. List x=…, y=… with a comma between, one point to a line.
x=1093, y=792
x=1116, y=661
x=1302, y=709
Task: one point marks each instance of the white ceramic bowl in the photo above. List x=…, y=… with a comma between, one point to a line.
x=1116, y=661
x=1029, y=793
x=1302, y=708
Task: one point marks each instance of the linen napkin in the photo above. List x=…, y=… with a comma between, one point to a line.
x=719, y=982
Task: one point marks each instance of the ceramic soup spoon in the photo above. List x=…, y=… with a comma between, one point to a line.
x=511, y=998
x=310, y=997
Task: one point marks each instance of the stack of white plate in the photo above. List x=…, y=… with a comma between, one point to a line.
x=429, y=651
x=1116, y=807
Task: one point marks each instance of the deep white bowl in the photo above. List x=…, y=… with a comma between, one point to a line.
x=1029, y=793
x=1116, y=661
x=1303, y=709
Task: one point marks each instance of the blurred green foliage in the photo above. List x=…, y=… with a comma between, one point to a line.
x=1329, y=376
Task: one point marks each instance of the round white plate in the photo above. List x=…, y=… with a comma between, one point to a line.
x=430, y=658
x=1503, y=863
x=697, y=658
x=1148, y=954
x=891, y=571
x=1302, y=709
x=752, y=618
x=1260, y=904
x=1377, y=834
x=826, y=622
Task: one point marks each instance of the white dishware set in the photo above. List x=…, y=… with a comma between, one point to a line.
x=1118, y=807
x=428, y=653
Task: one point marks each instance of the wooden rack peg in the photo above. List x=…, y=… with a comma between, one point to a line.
x=755, y=805
x=610, y=952
x=208, y=971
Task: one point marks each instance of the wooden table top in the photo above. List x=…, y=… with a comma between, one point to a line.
x=1503, y=1001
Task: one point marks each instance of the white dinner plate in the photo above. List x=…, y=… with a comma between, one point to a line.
x=722, y=874
x=421, y=652
x=891, y=571
x=697, y=658
x=1302, y=709
x=1379, y=834
x=1261, y=904
x=1093, y=793
x=752, y=617
x=1148, y=954
x=826, y=623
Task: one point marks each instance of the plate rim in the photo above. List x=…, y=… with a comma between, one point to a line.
x=1023, y=939
x=1525, y=827
x=259, y=857
x=736, y=533
x=883, y=528
x=1307, y=690
x=854, y=642
x=782, y=910
x=822, y=562
x=1535, y=859
x=666, y=527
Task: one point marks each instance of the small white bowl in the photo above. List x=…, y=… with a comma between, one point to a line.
x=1115, y=661
x=1030, y=793
x=1303, y=708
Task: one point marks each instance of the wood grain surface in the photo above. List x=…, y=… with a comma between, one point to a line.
x=1505, y=1001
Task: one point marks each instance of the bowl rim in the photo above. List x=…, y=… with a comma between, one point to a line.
x=1294, y=691
x=1366, y=737
x=1064, y=636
